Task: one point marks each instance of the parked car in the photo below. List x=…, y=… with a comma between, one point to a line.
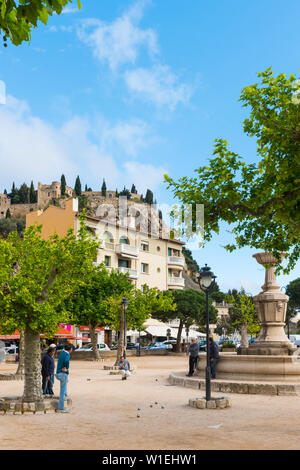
x=157, y=346
x=13, y=349
x=295, y=339
x=132, y=345
x=202, y=345
x=170, y=343
x=89, y=347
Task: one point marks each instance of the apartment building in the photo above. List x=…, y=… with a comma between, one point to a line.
x=148, y=258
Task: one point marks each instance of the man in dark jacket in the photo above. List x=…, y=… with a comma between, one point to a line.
x=214, y=356
x=48, y=367
x=193, y=352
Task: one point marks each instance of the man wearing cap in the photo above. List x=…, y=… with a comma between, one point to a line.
x=193, y=352
x=48, y=367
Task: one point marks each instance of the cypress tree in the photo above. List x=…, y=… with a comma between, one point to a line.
x=77, y=188
x=8, y=214
x=149, y=197
x=63, y=185
x=103, y=189
x=133, y=189
x=32, y=193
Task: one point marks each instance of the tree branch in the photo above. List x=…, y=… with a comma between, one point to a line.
x=51, y=280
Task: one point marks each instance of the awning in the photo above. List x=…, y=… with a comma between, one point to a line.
x=15, y=335
x=86, y=328
x=63, y=333
x=162, y=331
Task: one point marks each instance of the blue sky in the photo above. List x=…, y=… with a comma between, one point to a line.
x=130, y=90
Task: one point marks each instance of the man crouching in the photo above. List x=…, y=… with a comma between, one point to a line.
x=124, y=368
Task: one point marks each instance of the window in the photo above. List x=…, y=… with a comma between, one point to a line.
x=158, y=248
x=144, y=268
x=108, y=237
x=123, y=263
x=124, y=240
x=144, y=247
x=169, y=251
x=107, y=260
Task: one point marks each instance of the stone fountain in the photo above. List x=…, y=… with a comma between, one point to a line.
x=271, y=305
x=272, y=356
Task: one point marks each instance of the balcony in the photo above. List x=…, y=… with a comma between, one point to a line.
x=133, y=274
x=127, y=251
x=177, y=261
x=176, y=281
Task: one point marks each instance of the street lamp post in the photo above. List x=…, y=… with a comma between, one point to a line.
x=206, y=281
x=125, y=304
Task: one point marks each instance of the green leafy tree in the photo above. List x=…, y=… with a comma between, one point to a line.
x=260, y=199
x=63, y=184
x=35, y=276
x=19, y=17
x=192, y=265
x=89, y=305
x=190, y=309
x=9, y=225
x=293, y=291
x=125, y=192
x=77, y=188
x=142, y=304
x=23, y=193
x=243, y=316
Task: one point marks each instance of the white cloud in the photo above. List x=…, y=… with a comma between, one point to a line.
x=119, y=42
x=33, y=149
x=158, y=85
x=69, y=9
x=130, y=137
x=144, y=175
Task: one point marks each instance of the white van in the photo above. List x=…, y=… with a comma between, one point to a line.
x=295, y=339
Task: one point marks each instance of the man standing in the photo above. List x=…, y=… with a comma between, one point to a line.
x=124, y=368
x=48, y=367
x=62, y=374
x=214, y=356
x=193, y=352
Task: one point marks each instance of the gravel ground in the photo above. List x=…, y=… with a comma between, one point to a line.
x=104, y=414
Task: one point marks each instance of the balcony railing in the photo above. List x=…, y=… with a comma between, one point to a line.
x=176, y=260
x=133, y=274
x=176, y=281
x=127, y=251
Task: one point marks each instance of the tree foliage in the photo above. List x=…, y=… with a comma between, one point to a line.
x=37, y=274
x=260, y=199
x=10, y=224
x=19, y=17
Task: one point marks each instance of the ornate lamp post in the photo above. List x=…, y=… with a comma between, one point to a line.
x=125, y=304
x=206, y=281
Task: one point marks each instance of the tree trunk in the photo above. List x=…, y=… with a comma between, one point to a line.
x=244, y=336
x=179, y=336
x=93, y=336
x=33, y=376
x=120, y=341
x=21, y=368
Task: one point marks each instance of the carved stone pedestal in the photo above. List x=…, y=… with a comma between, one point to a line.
x=271, y=305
